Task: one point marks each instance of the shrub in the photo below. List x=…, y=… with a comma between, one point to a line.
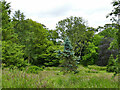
x=34, y=69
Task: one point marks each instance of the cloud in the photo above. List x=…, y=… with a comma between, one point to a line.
x=49, y=12
x=56, y=12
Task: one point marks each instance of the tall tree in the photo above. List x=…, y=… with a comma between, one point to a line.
x=75, y=28
x=114, y=14
x=6, y=11
x=104, y=53
x=69, y=63
x=12, y=53
x=18, y=21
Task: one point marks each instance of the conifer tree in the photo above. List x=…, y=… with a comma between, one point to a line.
x=69, y=61
x=111, y=64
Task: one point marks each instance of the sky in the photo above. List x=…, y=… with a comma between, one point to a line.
x=49, y=12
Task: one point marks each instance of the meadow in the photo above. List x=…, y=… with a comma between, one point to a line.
x=51, y=77
x=30, y=49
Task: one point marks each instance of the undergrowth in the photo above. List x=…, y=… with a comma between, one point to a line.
x=88, y=77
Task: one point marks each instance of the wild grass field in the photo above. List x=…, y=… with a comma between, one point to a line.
x=51, y=77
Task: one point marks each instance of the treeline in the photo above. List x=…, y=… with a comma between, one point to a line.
x=27, y=42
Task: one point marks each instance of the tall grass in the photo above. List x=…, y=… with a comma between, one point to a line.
x=52, y=78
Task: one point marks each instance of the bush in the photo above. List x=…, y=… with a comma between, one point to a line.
x=34, y=69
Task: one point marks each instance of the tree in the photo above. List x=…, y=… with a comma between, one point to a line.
x=6, y=21
x=91, y=54
x=97, y=39
x=38, y=50
x=109, y=32
x=75, y=28
x=12, y=53
x=70, y=26
x=108, y=45
x=38, y=41
x=114, y=13
x=35, y=41
x=19, y=24
x=111, y=67
x=104, y=53
x=49, y=56
x=6, y=11
x=69, y=63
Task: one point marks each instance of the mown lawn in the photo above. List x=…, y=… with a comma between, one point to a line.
x=51, y=77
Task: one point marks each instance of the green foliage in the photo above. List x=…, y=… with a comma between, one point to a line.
x=115, y=10
x=34, y=69
x=12, y=67
x=92, y=71
x=52, y=69
x=75, y=28
x=116, y=43
x=6, y=11
x=27, y=42
x=69, y=63
x=104, y=52
x=34, y=38
x=98, y=68
x=19, y=24
x=112, y=64
x=70, y=27
x=7, y=31
x=50, y=79
x=91, y=55
x=108, y=44
x=12, y=54
x=96, y=39
x=50, y=55
x=109, y=32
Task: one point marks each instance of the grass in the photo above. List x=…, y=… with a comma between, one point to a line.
x=90, y=77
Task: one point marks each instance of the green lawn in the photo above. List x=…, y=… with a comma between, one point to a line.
x=51, y=77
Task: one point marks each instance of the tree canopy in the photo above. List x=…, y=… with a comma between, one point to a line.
x=26, y=42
